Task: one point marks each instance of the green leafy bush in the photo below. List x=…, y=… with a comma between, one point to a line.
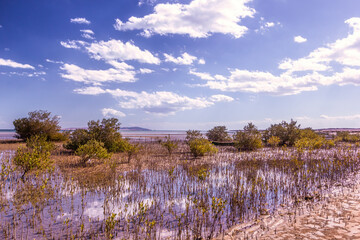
x=77, y=138
x=169, y=145
x=35, y=156
x=106, y=131
x=92, y=150
x=39, y=123
x=201, y=146
x=192, y=134
x=345, y=136
x=309, y=139
x=247, y=140
x=288, y=133
x=218, y=134
x=273, y=141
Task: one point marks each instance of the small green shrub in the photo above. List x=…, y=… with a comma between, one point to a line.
x=200, y=146
x=288, y=133
x=77, y=138
x=39, y=123
x=106, y=131
x=192, y=134
x=273, y=141
x=309, y=139
x=248, y=140
x=345, y=136
x=169, y=145
x=36, y=156
x=92, y=150
x=218, y=134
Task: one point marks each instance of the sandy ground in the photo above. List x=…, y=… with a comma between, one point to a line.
x=337, y=216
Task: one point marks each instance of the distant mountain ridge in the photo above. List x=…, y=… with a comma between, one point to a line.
x=135, y=129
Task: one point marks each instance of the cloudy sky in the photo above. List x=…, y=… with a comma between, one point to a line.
x=182, y=64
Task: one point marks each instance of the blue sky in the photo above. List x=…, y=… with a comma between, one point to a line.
x=182, y=64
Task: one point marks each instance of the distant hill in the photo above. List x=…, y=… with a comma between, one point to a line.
x=134, y=129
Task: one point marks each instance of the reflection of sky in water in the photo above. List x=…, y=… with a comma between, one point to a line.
x=159, y=192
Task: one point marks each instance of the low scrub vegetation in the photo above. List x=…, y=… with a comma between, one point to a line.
x=201, y=146
x=185, y=196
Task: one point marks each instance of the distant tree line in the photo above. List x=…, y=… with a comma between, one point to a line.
x=102, y=138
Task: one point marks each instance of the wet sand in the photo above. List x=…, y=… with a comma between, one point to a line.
x=336, y=216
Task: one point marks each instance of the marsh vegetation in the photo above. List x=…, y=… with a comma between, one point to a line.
x=108, y=187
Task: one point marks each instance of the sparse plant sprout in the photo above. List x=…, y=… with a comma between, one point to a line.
x=92, y=150
x=201, y=146
x=34, y=157
x=170, y=145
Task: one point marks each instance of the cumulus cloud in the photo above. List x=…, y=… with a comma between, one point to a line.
x=198, y=19
x=299, y=39
x=161, y=102
x=184, y=59
x=87, y=33
x=80, y=21
x=13, y=64
x=90, y=91
x=74, y=44
x=201, y=61
x=109, y=112
x=303, y=74
x=202, y=75
x=121, y=73
x=117, y=50
x=145, y=70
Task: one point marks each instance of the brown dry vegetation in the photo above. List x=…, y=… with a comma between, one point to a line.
x=162, y=196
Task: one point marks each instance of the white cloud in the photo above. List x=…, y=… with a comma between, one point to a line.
x=1, y=26
x=53, y=61
x=11, y=63
x=122, y=73
x=117, y=50
x=161, y=102
x=304, y=74
x=265, y=26
x=299, y=39
x=109, y=112
x=80, y=20
x=87, y=36
x=348, y=117
x=90, y=91
x=88, y=31
x=185, y=59
x=202, y=75
x=198, y=19
x=201, y=61
x=269, y=24
x=145, y=70
x=344, y=51
x=74, y=44
x=221, y=98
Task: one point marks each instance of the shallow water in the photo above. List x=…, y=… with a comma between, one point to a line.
x=188, y=200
